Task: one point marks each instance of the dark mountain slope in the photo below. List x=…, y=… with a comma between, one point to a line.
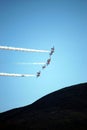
x=63, y=109
x=70, y=97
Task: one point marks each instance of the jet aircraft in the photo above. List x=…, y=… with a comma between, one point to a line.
x=22, y=75
x=38, y=73
x=48, y=61
x=44, y=66
x=52, y=51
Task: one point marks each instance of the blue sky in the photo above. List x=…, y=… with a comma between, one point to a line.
x=40, y=24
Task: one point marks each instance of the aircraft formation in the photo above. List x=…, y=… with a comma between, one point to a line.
x=47, y=62
x=27, y=50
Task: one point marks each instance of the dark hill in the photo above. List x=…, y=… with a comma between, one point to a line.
x=60, y=110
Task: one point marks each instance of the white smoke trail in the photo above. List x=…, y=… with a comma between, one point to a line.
x=17, y=75
x=34, y=63
x=21, y=49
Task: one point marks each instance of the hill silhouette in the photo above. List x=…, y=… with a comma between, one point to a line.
x=60, y=110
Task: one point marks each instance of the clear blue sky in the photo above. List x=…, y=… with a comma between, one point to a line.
x=40, y=24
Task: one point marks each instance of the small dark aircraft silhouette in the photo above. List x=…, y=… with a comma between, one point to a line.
x=38, y=73
x=48, y=61
x=23, y=75
x=44, y=66
x=52, y=51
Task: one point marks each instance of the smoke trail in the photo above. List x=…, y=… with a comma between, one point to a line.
x=34, y=63
x=17, y=75
x=21, y=49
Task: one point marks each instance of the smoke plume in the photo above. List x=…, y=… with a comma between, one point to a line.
x=17, y=75
x=21, y=49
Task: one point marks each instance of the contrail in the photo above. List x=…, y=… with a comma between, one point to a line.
x=21, y=49
x=17, y=75
x=34, y=63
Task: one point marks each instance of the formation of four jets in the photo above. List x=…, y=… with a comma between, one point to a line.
x=27, y=50
x=48, y=61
